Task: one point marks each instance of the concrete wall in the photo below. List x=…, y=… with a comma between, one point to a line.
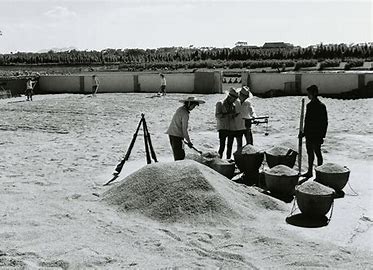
x=16, y=86
x=59, y=84
x=331, y=83
x=121, y=82
x=263, y=82
x=176, y=82
x=111, y=83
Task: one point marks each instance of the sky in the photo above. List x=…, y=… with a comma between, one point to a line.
x=36, y=25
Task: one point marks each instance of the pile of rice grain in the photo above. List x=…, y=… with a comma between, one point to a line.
x=248, y=150
x=282, y=170
x=332, y=168
x=278, y=151
x=314, y=188
x=171, y=192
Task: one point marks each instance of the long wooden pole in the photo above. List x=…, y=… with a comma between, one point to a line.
x=300, y=140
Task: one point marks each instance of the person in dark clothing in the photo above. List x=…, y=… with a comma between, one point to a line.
x=315, y=127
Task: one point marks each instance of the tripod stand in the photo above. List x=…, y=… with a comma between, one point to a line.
x=149, y=150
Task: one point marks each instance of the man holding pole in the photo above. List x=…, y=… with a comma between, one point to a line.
x=315, y=127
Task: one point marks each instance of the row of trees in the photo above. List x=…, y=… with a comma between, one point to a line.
x=187, y=56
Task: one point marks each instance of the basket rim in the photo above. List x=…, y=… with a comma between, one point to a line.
x=316, y=195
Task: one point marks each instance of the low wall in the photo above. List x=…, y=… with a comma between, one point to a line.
x=121, y=82
x=333, y=84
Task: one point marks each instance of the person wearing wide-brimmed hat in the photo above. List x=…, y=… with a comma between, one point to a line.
x=225, y=113
x=247, y=113
x=178, y=129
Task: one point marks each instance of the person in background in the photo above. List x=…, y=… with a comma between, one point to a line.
x=162, y=90
x=95, y=84
x=30, y=84
x=315, y=127
x=225, y=113
x=247, y=113
x=178, y=129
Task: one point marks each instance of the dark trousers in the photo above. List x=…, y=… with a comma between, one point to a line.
x=229, y=135
x=163, y=89
x=177, y=147
x=313, y=147
x=248, y=134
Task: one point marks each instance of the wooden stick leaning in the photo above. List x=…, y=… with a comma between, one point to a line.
x=300, y=138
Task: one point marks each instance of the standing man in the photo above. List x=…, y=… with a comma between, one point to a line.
x=95, y=85
x=315, y=127
x=225, y=113
x=162, y=90
x=247, y=113
x=178, y=129
x=30, y=84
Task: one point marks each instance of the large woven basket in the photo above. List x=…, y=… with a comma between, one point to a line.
x=281, y=184
x=288, y=159
x=248, y=163
x=224, y=168
x=314, y=205
x=334, y=180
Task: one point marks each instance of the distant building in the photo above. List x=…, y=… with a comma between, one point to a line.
x=277, y=45
x=244, y=44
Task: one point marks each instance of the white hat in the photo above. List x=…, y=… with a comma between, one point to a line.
x=192, y=99
x=245, y=90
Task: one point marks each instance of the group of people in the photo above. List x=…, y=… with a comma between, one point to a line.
x=235, y=115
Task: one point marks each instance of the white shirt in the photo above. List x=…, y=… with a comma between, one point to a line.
x=179, y=124
x=163, y=81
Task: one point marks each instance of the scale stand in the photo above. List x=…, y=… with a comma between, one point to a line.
x=149, y=150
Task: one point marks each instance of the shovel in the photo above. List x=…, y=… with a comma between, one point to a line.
x=195, y=149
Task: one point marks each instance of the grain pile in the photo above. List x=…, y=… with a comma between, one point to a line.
x=278, y=151
x=332, y=168
x=176, y=191
x=205, y=158
x=282, y=170
x=314, y=188
x=248, y=150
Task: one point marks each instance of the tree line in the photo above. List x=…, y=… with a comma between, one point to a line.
x=179, y=57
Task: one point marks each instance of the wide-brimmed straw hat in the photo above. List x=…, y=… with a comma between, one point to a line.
x=246, y=92
x=232, y=92
x=192, y=99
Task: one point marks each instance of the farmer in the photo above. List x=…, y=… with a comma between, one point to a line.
x=162, y=89
x=95, y=84
x=178, y=129
x=247, y=113
x=30, y=84
x=225, y=113
x=315, y=126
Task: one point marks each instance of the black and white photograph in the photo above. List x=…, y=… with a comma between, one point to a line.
x=186, y=134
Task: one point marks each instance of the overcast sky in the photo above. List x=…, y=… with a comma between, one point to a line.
x=35, y=25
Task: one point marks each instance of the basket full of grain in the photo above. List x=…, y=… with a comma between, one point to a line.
x=314, y=199
x=332, y=175
x=281, y=180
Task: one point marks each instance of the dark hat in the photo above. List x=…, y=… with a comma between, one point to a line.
x=233, y=93
x=313, y=89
